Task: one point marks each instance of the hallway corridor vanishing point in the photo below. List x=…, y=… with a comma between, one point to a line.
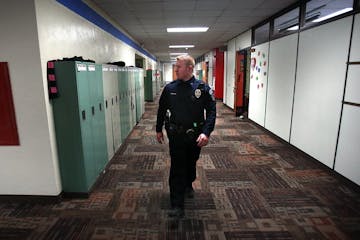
x=250, y=185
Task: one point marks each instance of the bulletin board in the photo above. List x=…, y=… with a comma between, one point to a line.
x=321, y=71
x=258, y=82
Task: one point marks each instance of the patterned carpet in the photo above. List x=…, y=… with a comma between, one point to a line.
x=250, y=185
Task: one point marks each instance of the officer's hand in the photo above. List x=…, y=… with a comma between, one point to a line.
x=202, y=140
x=160, y=137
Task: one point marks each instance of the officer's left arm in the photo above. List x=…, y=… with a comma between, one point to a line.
x=163, y=105
x=210, y=107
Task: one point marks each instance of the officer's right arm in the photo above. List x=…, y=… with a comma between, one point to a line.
x=160, y=137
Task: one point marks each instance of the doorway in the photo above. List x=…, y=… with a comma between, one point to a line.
x=139, y=61
x=241, y=99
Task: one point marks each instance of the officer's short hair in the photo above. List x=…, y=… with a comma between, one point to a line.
x=189, y=60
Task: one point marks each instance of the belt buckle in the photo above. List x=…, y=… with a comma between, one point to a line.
x=190, y=131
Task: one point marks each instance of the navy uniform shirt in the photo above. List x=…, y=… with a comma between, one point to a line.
x=187, y=101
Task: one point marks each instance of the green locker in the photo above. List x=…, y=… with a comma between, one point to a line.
x=80, y=125
x=112, y=109
x=132, y=99
x=148, y=85
x=124, y=103
x=137, y=95
x=99, y=127
x=109, y=103
x=128, y=100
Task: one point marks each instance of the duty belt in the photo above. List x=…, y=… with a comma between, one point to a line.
x=181, y=129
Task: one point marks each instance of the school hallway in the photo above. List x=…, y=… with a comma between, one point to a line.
x=250, y=185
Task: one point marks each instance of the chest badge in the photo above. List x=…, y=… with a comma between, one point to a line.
x=197, y=93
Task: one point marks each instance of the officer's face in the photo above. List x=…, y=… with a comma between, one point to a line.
x=182, y=70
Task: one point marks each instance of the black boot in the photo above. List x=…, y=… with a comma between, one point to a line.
x=176, y=212
x=189, y=192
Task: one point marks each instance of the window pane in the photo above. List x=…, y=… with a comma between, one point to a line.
x=321, y=10
x=287, y=23
x=261, y=34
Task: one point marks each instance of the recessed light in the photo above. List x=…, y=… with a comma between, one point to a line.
x=187, y=29
x=181, y=46
x=177, y=54
x=296, y=27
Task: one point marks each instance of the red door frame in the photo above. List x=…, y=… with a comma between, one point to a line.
x=240, y=75
x=219, y=74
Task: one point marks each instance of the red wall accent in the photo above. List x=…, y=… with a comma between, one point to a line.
x=8, y=128
x=219, y=74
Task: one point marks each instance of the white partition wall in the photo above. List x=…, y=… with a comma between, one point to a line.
x=321, y=68
x=281, y=80
x=229, y=83
x=348, y=152
x=355, y=43
x=258, y=83
x=352, y=91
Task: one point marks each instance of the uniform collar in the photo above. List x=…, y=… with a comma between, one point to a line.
x=190, y=81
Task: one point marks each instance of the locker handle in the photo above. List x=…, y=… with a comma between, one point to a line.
x=100, y=107
x=93, y=110
x=83, y=114
x=112, y=101
x=106, y=104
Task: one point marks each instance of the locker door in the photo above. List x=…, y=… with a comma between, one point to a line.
x=107, y=86
x=132, y=98
x=91, y=80
x=115, y=112
x=137, y=95
x=122, y=106
x=127, y=102
x=148, y=86
x=85, y=113
x=100, y=119
x=142, y=98
x=68, y=119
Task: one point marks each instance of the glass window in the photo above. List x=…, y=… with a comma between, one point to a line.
x=321, y=10
x=287, y=23
x=261, y=34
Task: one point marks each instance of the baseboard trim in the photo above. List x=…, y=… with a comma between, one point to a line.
x=31, y=198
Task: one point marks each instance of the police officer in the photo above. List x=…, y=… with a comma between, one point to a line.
x=183, y=105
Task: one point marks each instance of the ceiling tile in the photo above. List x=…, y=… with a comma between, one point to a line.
x=146, y=21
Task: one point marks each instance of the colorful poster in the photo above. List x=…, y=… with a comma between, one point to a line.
x=258, y=68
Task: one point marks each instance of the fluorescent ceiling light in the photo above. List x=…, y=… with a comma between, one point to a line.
x=177, y=54
x=296, y=27
x=181, y=46
x=333, y=14
x=187, y=29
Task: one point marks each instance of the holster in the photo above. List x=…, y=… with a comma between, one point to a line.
x=190, y=134
x=170, y=128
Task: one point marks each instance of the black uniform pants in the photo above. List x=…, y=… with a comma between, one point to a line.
x=184, y=153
